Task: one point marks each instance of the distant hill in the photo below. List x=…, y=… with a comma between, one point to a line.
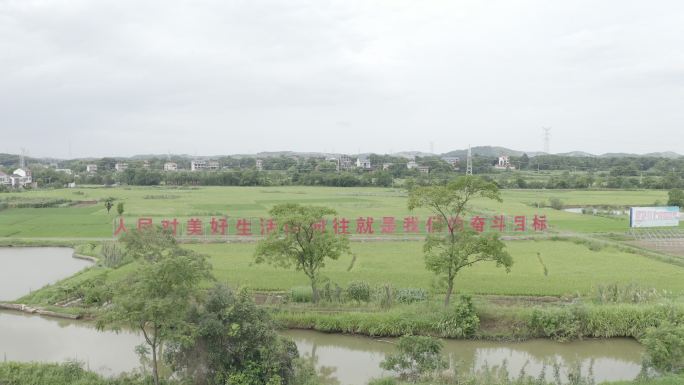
x=666, y=154
x=488, y=151
x=413, y=154
x=10, y=160
x=578, y=154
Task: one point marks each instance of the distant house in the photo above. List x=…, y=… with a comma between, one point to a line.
x=259, y=165
x=423, y=169
x=91, y=168
x=21, y=177
x=170, y=166
x=363, y=163
x=344, y=163
x=119, y=167
x=411, y=164
x=386, y=166
x=454, y=161
x=504, y=163
x=4, y=179
x=146, y=164
x=198, y=165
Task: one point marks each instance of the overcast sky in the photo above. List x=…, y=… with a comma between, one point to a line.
x=119, y=77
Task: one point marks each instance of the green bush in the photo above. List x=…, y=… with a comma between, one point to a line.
x=461, y=321
x=665, y=347
x=559, y=323
x=301, y=294
x=330, y=292
x=112, y=255
x=411, y=295
x=359, y=291
x=384, y=296
x=629, y=293
x=556, y=203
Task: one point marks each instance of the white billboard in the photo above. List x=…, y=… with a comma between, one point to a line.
x=654, y=216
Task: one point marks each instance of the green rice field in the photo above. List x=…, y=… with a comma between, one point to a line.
x=89, y=219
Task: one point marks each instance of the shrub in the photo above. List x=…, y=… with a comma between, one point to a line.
x=330, y=293
x=359, y=291
x=559, y=323
x=411, y=295
x=630, y=293
x=385, y=296
x=112, y=255
x=556, y=203
x=301, y=294
x=665, y=347
x=461, y=321
x=416, y=357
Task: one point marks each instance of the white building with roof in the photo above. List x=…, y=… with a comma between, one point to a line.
x=21, y=177
x=504, y=163
x=170, y=166
x=363, y=163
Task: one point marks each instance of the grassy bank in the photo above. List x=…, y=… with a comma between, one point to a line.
x=571, y=269
x=496, y=322
x=666, y=380
x=13, y=373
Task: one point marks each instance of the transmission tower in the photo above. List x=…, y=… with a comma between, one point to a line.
x=547, y=139
x=469, y=162
x=22, y=159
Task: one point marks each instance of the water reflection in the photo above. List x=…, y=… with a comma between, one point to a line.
x=32, y=338
x=357, y=359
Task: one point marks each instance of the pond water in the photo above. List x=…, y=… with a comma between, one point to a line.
x=354, y=360
x=24, y=269
x=343, y=359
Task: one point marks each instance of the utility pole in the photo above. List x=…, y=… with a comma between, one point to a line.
x=469, y=162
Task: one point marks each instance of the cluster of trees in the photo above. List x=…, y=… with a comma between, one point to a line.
x=208, y=337
x=301, y=244
x=570, y=180
x=542, y=171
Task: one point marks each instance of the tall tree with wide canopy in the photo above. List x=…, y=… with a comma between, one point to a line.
x=302, y=241
x=156, y=297
x=452, y=247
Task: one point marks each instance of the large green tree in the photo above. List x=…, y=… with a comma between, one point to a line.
x=302, y=241
x=235, y=342
x=453, y=247
x=156, y=296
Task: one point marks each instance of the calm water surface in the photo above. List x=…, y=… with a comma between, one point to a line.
x=24, y=269
x=354, y=360
x=343, y=360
